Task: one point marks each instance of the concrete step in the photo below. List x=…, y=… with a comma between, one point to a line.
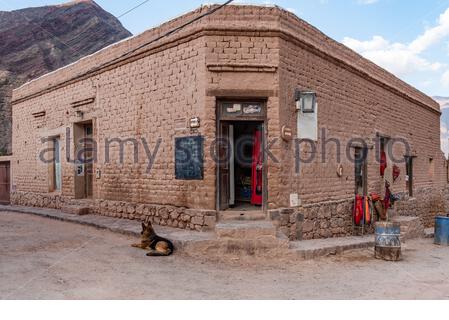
x=249, y=230
x=411, y=227
x=312, y=249
x=79, y=210
x=241, y=216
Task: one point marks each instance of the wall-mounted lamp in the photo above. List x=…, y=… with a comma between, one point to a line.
x=305, y=101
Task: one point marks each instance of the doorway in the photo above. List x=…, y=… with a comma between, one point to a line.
x=85, y=150
x=5, y=183
x=241, y=179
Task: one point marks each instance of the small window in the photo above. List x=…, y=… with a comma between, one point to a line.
x=431, y=168
x=409, y=175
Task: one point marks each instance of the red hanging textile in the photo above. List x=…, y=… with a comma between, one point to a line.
x=387, y=198
x=383, y=163
x=257, y=170
x=396, y=173
x=358, y=210
x=367, y=211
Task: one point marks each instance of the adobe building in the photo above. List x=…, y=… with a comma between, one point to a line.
x=256, y=77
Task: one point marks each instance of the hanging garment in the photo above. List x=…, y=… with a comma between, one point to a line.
x=387, y=199
x=396, y=173
x=367, y=217
x=383, y=163
x=358, y=210
x=378, y=207
x=257, y=170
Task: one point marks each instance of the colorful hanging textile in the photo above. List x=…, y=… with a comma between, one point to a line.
x=257, y=170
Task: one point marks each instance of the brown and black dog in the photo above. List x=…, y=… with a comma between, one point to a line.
x=158, y=246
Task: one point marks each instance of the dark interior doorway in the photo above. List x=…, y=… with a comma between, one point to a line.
x=241, y=172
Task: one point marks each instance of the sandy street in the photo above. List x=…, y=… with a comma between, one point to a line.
x=46, y=259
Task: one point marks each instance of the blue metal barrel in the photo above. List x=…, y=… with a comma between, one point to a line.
x=442, y=231
x=388, y=241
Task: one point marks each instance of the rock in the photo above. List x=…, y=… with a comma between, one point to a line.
x=307, y=226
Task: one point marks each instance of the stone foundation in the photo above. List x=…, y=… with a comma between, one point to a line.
x=334, y=219
x=426, y=204
x=176, y=217
x=317, y=221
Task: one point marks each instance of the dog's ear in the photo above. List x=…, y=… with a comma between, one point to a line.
x=144, y=226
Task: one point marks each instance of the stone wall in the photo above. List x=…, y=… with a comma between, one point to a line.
x=323, y=220
x=334, y=218
x=426, y=204
x=176, y=217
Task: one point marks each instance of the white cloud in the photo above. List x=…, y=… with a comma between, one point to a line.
x=432, y=35
x=445, y=79
x=396, y=57
x=402, y=58
x=365, y=2
x=445, y=145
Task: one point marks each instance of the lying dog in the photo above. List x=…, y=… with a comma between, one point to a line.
x=158, y=246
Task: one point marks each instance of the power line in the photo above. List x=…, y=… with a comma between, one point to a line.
x=171, y=32
x=208, y=13
x=132, y=9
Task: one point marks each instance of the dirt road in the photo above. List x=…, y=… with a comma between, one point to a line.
x=46, y=259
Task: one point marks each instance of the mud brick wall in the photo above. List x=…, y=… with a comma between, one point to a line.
x=247, y=52
x=143, y=99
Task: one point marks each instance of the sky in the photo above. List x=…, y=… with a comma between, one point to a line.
x=408, y=38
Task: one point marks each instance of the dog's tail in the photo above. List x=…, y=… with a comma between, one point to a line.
x=159, y=254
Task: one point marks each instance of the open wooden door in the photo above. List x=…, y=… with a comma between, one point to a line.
x=224, y=150
x=4, y=183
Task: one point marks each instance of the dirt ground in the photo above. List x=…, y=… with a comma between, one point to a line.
x=46, y=259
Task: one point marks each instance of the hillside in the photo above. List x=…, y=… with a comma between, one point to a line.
x=35, y=41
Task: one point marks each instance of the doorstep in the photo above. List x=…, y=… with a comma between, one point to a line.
x=311, y=249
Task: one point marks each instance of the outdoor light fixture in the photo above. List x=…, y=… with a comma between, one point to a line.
x=305, y=101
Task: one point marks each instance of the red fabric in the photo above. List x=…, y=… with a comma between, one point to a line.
x=387, y=197
x=375, y=197
x=396, y=172
x=367, y=212
x=257, y=170
x=358, y=210
x=383, y=163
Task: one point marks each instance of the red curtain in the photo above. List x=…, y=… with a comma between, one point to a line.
x=257, y=170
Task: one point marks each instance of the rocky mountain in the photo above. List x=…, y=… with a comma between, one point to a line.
x=34, y=41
